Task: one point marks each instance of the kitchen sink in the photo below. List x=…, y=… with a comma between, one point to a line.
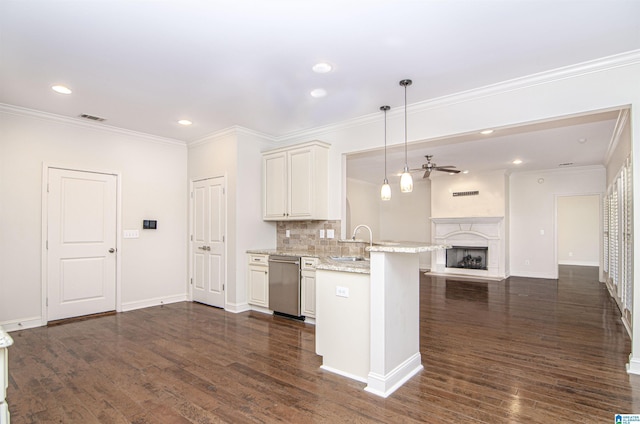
x=347, y=258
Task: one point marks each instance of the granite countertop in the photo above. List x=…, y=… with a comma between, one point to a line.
x=5, y=339
x=405, y=247
x=359, y=267
x=362, y=267
x=304, y=253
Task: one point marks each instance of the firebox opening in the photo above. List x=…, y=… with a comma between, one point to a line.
x=467, y=257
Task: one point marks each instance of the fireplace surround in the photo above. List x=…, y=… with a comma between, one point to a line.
x=480, y=237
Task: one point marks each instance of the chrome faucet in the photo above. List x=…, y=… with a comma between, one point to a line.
x=370, y=233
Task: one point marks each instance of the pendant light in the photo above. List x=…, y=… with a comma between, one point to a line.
x=406, y=182
x=385, y=191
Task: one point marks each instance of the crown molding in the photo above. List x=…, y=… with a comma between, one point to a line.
x=546, y=77
x=230, y=131
x=621, y=122
x=75, y=122
x=573, y=169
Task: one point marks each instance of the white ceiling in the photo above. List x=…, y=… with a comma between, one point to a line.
x=143, y=65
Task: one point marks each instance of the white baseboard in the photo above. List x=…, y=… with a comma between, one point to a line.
x=156, y=301
x=344, y=374
x=384, y=385
x=579, y=263
x=533, y=274
x=22, y=324
x=237, y=308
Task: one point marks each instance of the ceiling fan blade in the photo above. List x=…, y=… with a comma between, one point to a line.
x=445, y=166
x=450, y=171
x=426, y=174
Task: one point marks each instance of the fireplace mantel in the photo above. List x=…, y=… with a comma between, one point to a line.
x=478, y=231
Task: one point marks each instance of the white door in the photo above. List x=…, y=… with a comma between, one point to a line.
x=208, y=246
x=81, y=243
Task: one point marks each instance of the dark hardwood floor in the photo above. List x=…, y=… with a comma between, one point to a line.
x=518, y=351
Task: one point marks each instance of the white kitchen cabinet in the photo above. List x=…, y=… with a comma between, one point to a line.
x=308, y=283
x=258, y=279
x=5, y=342
x=295, y=182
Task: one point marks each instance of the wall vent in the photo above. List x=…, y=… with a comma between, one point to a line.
x=91, y=117
x=565, y=164
x=465, y=193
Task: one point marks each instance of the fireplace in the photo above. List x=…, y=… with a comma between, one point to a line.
x=467, y=257
x=478, y=246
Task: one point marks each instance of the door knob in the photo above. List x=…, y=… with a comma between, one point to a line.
x=112, y=250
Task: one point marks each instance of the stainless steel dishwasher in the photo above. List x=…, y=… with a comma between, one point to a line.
x=284, y=285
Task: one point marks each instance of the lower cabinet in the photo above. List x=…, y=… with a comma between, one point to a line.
x=308, y=283
x=259, y=280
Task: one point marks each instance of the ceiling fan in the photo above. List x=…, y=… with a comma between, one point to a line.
x=430, y=166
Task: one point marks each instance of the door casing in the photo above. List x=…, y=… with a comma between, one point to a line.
x=43, y=238
x=191, y=230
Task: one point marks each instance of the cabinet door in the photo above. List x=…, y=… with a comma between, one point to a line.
x=301, y=168
x=259, y=286
x=275, y=186
x=309, y=294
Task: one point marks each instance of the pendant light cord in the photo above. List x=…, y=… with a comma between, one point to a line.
x=406, y=164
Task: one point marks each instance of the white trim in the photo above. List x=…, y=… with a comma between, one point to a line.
x=344, y=374
x=77, y=122
x=22, y=324
x=230, y=131
x=567, y=72
x=190, y=258
x=237, y=308
x=384, y=385
x=633, y=367
x=621, y=122
x=155, y=301
x=579, y=263
x=44, y=231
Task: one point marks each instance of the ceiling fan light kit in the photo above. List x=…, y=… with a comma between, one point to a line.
x=385, y=190
x=406, y=181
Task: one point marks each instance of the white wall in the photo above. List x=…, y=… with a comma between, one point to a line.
x=533, y=215
x=578, y=230
x=406, y=217
x=364, y=207
x=153, y=174
x=491, y=200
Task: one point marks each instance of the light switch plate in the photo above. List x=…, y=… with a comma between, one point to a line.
x=321, y=233
x=331, y=234
x=287, y=233
x=129, y=234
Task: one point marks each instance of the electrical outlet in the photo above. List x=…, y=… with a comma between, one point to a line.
x=287, y=233
x=331, y=234
x=342, y=291
x=321, y=233
x=570, y=254
x=527, y=262
x=541, y=232
x=128, y=234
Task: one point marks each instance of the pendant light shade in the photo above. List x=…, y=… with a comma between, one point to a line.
x=406, y=181
x=385, y=190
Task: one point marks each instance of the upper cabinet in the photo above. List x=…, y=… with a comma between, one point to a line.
x=295, y=182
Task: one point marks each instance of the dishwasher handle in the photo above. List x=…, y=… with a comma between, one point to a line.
x=284, y=262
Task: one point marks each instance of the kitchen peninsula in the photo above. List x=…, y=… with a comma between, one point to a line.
x=368, y=323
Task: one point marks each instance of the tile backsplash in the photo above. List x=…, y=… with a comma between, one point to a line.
x=305, y=236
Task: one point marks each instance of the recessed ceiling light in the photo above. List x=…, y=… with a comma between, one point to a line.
x=517, y=162
x=61, y=89
x=322, y=68
x=185, y=122
x=466, y=171
x=486, y=132
x=582, y=140
x=318, y=92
